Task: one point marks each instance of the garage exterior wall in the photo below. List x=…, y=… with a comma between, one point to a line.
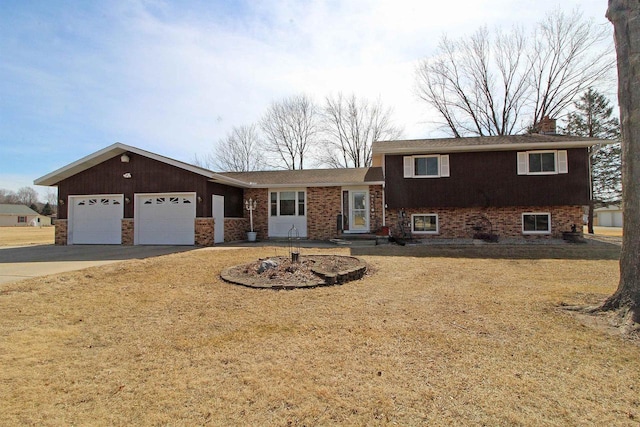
x=147, y=176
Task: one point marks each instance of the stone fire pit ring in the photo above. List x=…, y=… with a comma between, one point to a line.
x=311, y=271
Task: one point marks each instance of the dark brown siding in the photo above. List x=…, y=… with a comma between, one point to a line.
x=233, y=198
x=147, y=176
x=488, y=179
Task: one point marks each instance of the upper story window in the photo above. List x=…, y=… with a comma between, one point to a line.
x=427, y=166
x=542, y=162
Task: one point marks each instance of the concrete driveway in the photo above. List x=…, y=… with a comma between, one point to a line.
x=23, y=262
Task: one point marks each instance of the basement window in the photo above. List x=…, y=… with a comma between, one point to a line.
x=424, y=223
x=536, y=223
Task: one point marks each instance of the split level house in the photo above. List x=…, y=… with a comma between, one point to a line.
x=525, y=186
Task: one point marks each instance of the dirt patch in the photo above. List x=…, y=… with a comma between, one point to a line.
x=308, y=272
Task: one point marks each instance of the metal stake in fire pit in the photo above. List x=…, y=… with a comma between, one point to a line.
x=294, y=244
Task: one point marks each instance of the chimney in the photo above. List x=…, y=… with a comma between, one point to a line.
x=547, y=126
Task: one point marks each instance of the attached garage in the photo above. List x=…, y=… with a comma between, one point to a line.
x=95, y=219
x=165, y=219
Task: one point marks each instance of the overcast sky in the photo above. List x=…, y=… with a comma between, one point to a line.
x=173, y=77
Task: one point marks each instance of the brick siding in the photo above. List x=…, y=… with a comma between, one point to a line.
x=61, y=233
x=505, y=222
x=260, y=214
x=127, y=230
x=204, y=229
x=323, y=208
x=235, y=229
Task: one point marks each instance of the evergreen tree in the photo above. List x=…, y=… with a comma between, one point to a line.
x=46, y=210
x=593, y=118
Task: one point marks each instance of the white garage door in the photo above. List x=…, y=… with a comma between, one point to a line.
x=95, y=219
x=165, y=219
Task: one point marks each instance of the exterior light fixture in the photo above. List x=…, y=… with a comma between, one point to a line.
x=124, y=158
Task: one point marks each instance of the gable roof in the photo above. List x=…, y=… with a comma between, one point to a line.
x=309, y=177
x=281, y=178
x=114, y=150
x=484, y=143
x=6, y=209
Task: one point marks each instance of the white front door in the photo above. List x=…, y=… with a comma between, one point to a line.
x=96, y=219
x=218, y=218
x=165, y=219
x=358, y=211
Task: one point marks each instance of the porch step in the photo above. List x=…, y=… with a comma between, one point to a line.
x=360, y=240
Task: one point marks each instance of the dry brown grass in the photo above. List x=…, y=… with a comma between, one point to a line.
x=607, y=231
x=18, y=236
x=423, y=341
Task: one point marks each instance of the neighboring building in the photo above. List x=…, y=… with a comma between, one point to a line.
x=516, y=186
x=507, y=186
x=608, y=216
x=21, y=216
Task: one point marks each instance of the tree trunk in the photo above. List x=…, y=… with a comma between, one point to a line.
x=625, y=17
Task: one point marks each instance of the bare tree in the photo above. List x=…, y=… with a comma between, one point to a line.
x=290, y=130
x=8, y=197
x=625, y=17
x=504, y=83
x=239, y=151
x=27, y=196
x=52, y=198
x=350, y=126
x=568, y=56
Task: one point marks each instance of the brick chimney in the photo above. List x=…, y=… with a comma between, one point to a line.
x=547, y=126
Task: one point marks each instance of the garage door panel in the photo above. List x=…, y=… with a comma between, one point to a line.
x=96, y=219
x=165, y=219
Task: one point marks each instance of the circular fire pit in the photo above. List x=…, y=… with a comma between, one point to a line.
x=310, y=271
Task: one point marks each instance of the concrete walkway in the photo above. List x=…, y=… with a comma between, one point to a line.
x=23, y=262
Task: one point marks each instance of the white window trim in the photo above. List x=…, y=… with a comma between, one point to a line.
x=559, y=158
x=409, y=166
x=289, y=190
x=437, y=231
x=548, y=214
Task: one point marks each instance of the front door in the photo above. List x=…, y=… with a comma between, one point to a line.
x=358, y=211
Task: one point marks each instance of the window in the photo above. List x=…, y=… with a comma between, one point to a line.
x=426, y=166
x=431, y=166
x=546, y=162
x=22, y=219
x=424, y=223
x=287, y=203
x=536, y=223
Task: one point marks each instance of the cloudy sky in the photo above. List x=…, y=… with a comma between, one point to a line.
x=173, y=77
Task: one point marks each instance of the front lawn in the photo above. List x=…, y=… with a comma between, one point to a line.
x=422, y=340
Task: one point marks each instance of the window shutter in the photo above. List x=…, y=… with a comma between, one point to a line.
x=522, y=163
x=408, y=166
x=563, y=166
x=444, y=165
